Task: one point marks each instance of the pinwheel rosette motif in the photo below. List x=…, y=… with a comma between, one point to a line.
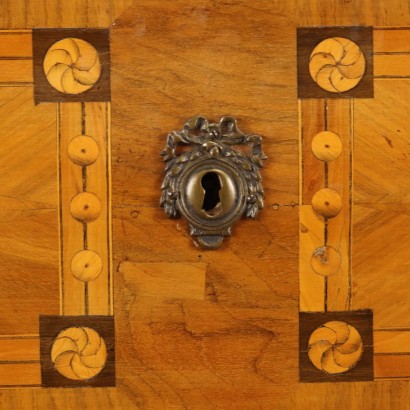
x=336, y=347
x=72, y=66
x=79, y=353
x=337, y=64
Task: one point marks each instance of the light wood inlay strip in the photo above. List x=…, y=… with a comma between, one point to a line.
x=15, y=45
x=20, y=374
x=16, y=71
x=391, y=366
x=391, y=41
x=313, y=122
x=338, y=228
x=15, y=31
x=72, y=231
x=396, y=341
x=13, y=350
x=311, y=237
x=109, y=161
x=394, y=65
x=96, y=126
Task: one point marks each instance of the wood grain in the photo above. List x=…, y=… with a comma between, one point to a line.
x=20, y=374
x=16, y=71
x=19, y=348
x=392, y=341
x=156, y=380
x=313, y=122
x=15, y=45
x=381, y=205
x=218, y=351
x=71, y=230
x=326, y=121
x=339, y=120
x=311, y=284
x=28, y=205
x=98, y=233
x=84, y=202
x=392, y=366
x=61, y=13
x=391, y=66
x=391, y=41
x=164, y=281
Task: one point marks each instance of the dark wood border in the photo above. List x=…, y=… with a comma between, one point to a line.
x=362, y=320
x=43, y=39
x=51, y=326
x=309, y=37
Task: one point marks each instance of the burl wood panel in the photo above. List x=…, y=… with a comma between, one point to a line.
x=236, y=348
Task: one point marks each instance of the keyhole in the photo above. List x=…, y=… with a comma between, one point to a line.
x=212, y=185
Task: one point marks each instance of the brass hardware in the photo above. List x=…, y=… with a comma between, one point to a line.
x=207, y=181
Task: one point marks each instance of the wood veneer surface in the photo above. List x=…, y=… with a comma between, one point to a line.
x=236, y=348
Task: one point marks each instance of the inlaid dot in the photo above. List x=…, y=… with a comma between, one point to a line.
x=326, y=260
x=327, y=202
x=86, y=265
x=83, y=150
x=327, y=146
x=85, y=207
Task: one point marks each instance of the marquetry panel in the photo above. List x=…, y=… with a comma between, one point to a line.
x=391, y=53
x=84, y=189
x=219, y=347
x=381, y=205
x=16, y=60
x=335, y=62
x=336, y=346
x=71, y=65
x=77, y=351
x=364, y=249
x=77, y=134
x=28, y=205
x=337, y=65
x=235, y=345
x=339, y=232
x=326, y=218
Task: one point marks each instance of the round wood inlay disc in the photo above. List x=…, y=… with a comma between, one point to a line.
x=86, y=265
x=327, y=202
x=83, y=150
x=326, y=260
x=327, y=146
x=85, y=207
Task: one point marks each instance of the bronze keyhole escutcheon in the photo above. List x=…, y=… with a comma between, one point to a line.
x=213, y=181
